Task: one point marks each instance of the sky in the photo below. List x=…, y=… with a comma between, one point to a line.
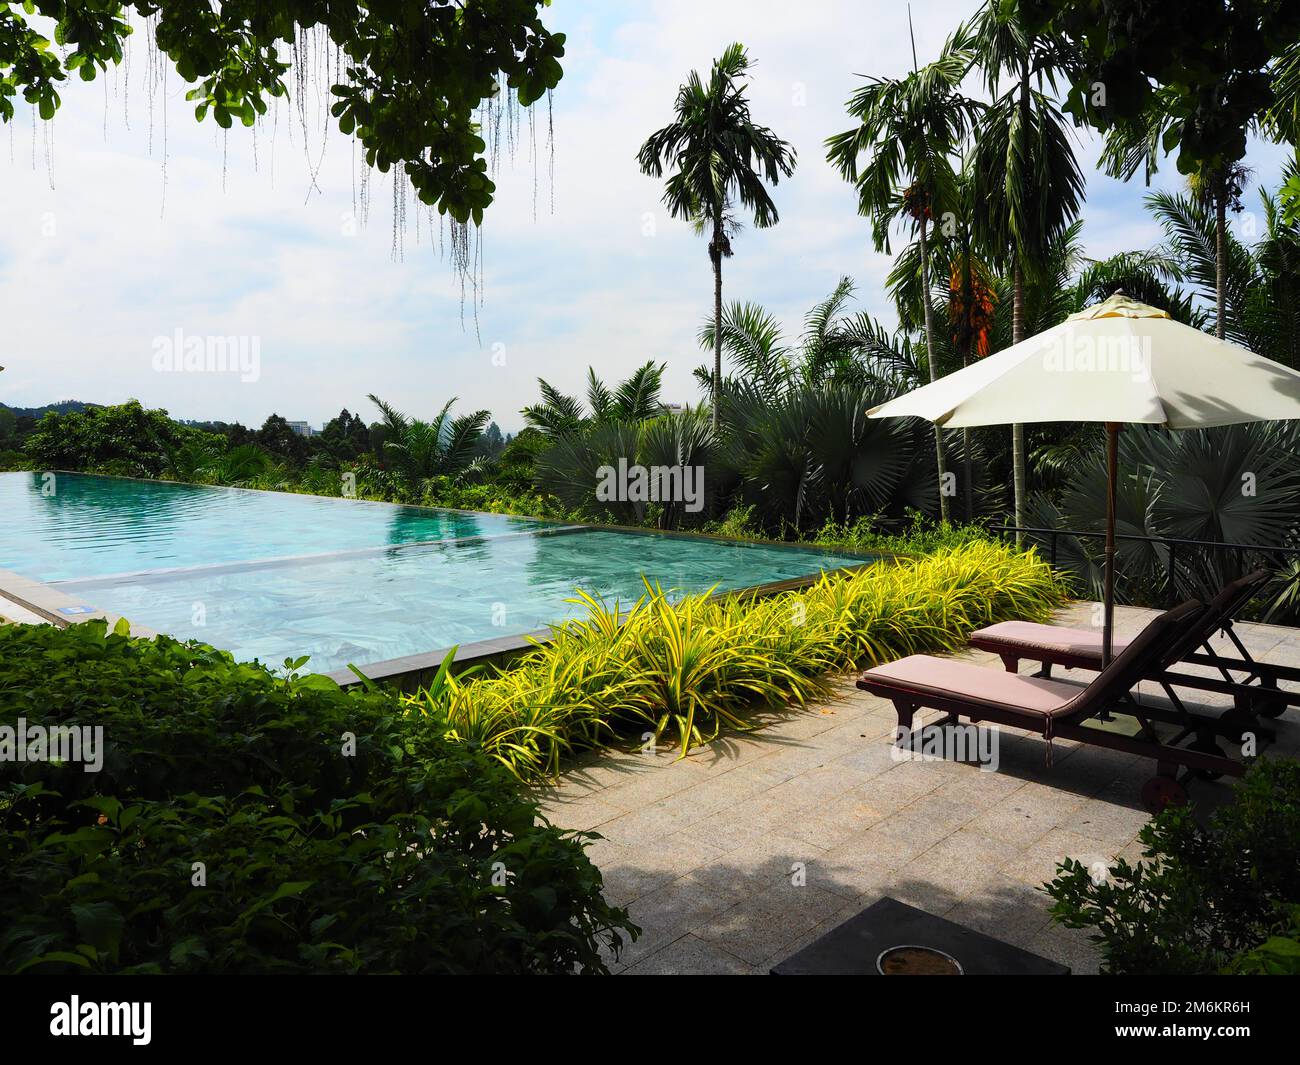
x=128, y=229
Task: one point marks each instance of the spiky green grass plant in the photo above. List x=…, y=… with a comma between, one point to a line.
x=685, y=670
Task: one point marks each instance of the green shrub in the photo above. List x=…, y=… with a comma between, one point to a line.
x=124, y=440
x=689, y=668
x=739, y=522
x=923, y=537
x=334, y=833
x=1203, y=895
x=1279, y=955
x=491, y=497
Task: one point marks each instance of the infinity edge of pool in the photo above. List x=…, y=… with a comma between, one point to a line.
x=449, y=573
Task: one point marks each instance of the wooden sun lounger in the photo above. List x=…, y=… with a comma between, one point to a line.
x=1256, y=692
x=1054, y=709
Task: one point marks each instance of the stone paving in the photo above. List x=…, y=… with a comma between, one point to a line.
x=738, y=855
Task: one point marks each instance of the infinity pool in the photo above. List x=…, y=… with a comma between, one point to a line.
x=271, y=575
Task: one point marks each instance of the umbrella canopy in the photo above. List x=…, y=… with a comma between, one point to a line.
x=1116, y=362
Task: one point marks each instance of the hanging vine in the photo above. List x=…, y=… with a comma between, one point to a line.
x=427, y=91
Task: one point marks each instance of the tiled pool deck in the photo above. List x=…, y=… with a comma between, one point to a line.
x=704, y=850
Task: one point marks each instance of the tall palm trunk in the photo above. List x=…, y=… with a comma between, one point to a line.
x=1018, y=313
x=1018, y=431
x=940, y=459
x=715, y=253
x=968, y=466
x=967, y=342
x=1220, y=250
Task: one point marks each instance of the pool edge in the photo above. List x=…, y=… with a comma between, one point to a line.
x=411, y=672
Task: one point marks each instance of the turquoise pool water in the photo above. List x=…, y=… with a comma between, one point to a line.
x=270, y=575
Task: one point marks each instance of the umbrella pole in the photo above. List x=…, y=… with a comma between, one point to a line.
x=1112, y=476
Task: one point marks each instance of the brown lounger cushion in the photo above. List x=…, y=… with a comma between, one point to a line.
x=1028, y=639
x=1034, y=697
x=1050, y=639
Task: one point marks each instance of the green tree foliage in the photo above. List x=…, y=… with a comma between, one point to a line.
x=126, y=439
x=796, y=443
x=1185, y=484
x=1261, y=280
x=344, y=437
x=1206, y=66
x=413, y=73
x=1028, y=186
x=277, y=437
x=492, y=442
x=575, y=466
x=1196, y=79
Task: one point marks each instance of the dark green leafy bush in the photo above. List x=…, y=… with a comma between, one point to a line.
x=1205, y=898
x=1279, y=955
x=125, y=440
x=334, y=833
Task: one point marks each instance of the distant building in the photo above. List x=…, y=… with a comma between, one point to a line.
x=674, y=408
x=302, y=428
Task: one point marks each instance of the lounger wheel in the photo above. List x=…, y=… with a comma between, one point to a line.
x=1207, y=745
x=1162, y=791
x=1235, y=723
x=1271, y=704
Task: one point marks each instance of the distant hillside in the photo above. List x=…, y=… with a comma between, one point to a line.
x=65, y=406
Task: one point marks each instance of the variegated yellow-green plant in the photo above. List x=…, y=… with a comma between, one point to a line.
x=686, y=669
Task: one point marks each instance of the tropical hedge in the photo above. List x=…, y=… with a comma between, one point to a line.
x=246, y=821
x=684, y=670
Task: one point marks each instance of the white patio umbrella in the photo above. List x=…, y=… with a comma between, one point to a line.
x=1116, y=362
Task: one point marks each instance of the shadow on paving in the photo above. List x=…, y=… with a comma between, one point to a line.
x=722, y=919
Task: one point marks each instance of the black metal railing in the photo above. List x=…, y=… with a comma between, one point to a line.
x=1172, y=544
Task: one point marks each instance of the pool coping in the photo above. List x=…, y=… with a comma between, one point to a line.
x=57, y=607
x=406, y=672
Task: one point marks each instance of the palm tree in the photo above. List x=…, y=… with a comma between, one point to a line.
x=835, y=347
x=1183, y=484
x=240, y=464
x=1259, y=283
x=635, y=400
x=719, y=158
x=909, y=128
x=417, y=450
x=798, y=447
x=959, y=278
x=570, y=469
x=186, y=461
x=1029, y=186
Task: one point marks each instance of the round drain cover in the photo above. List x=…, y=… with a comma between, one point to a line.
x=911, y=960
